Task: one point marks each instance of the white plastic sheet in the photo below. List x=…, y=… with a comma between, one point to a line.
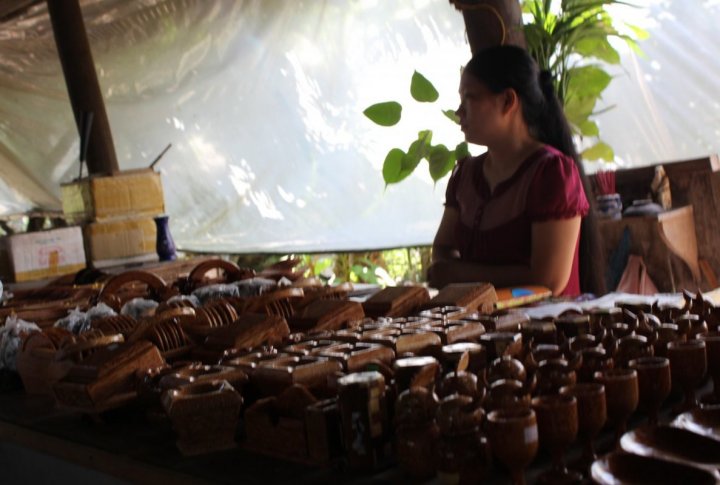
x=263, y=99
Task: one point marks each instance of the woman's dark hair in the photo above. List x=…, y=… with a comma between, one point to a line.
x=503, y=67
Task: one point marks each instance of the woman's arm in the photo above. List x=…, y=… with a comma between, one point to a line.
x=444, y=246
x=552, y=253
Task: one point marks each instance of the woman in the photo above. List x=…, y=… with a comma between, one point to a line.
x=513, y=215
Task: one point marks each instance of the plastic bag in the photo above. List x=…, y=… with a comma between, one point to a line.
x=213, y=292
x=11, y=336
x=139, y=308
x=101, y=310
x=73, y=322
x=191, y=298
x=254, y=286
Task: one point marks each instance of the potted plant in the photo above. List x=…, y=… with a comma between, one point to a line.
x=571, y=41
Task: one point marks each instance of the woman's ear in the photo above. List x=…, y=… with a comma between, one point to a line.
x=511, y=101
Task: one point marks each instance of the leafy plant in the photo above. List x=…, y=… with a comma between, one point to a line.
x=572, y=42
x=399, y=163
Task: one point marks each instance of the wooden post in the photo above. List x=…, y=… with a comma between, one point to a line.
x=82, y=83
x=491, y=22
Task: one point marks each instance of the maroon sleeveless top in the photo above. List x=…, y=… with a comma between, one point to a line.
x=494, y=228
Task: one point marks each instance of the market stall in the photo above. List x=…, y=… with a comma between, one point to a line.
x=120, y=356
x=221, y=374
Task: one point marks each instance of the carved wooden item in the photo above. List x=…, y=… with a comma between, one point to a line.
x=396, y=301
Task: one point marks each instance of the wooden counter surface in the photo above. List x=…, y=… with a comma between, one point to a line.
x=125, y=445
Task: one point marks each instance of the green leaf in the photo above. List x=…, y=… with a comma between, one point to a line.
x=636, y=48
x=422, y=90
x=321, y=265
x=422, y=144
x=392, y=166
x=598, y=47
x=461, y=151
x=578, y=109
x=588, y=80
x=588, y=128
x=598, y=151
x=441, y=161
x=418, y=150
x=384, y=114
x=450, y=113
x=640, y=33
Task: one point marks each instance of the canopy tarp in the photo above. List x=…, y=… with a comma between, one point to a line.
x=262, y=101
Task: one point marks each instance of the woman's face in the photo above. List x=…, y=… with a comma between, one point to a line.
x=480, y=112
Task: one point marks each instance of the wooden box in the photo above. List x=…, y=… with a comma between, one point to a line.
x=396, y=301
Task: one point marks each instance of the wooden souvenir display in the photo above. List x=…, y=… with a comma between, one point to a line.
x=447, y=313
x=322, y=425
x=276, y=425
x=396, y=301
x=501, y=320
x=453, y=353
x=177, y=303
x=539, y=332
x=411, y=341
x=471, y=296
x=214, y=271
x=322, y=314
x=278, y=302
x=364, y=417
x=194, y=373
x=132, y=284
x=106, y=379
x=122, y=324
x=36, y=360
x=356, y=356
x=313, y=293
x=204, y=416
x=44, y=306
x=216, y=314
x=249, y=331
x=416, y=432
x=502, y=343
x=457, y=331
x=273, y=376
x=282, y=269
x=463, y=451
x=166, y=332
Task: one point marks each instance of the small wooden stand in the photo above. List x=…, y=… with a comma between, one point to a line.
x=667, y=243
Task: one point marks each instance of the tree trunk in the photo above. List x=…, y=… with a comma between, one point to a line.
x=82, y=83
x=491, y=22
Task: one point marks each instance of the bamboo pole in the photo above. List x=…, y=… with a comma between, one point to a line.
x=82, y=84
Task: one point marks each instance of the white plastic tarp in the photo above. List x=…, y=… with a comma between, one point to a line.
x=262, y=101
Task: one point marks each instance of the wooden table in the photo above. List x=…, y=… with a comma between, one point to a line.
x=125, y=445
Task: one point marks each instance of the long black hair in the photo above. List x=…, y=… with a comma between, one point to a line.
x=507, y=66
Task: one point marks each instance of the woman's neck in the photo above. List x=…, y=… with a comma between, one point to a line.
x=504, y=159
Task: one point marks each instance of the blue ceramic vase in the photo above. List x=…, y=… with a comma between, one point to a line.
x=165, y=246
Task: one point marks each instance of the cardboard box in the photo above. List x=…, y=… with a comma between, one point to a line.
x=43, y=254
x=132, y=193
x=121, y=241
